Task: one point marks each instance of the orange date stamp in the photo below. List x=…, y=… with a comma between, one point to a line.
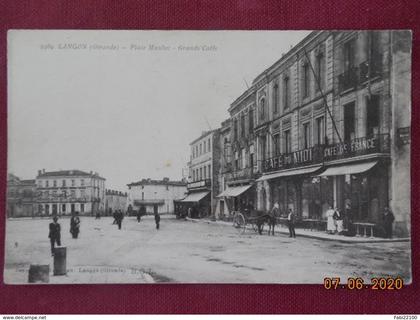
x=355, y=283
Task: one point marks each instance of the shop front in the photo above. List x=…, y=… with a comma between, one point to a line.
x=237, y=198
x=197, y=204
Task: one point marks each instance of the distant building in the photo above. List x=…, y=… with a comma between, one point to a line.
x=66, y=191
x=203, y=182
x=115, y=200
x=155, y=195
x=21, y=197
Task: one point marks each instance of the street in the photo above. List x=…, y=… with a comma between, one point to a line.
x=194, y=252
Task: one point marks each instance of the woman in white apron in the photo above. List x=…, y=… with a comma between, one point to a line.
x=338, y=220
x=330, y=220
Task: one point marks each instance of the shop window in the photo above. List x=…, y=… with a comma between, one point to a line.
x=349, y=121
x=372, y=122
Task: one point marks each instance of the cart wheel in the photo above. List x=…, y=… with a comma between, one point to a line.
x=239, y=222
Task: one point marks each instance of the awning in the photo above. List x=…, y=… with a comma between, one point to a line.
x=286, y=173
x=234, y=191
x=195, y=196
x=349, y=169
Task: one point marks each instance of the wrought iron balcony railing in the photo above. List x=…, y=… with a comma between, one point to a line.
x=370, y=69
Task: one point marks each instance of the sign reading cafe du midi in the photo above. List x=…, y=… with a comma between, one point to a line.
x=319, y=154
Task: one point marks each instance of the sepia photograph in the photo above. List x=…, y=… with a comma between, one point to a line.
x=151, y=156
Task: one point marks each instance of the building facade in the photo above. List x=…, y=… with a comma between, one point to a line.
x=328, y=124
x=203, y=168
x=155, y=195
x=66, y=191
x=21, y=197
x=115, y=200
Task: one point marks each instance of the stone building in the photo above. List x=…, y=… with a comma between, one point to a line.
x=155, y=195
x=329, y=126
x=66, y=191
x=203, y=167
x=115, y=200
x=21, y=197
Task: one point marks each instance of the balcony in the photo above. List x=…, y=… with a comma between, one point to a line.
x=347, y=80
x=244, y=174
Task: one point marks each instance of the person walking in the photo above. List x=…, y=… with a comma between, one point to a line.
x=115, y=216
x=54, y=234
x=75, y=225
x=119, y=217
x=291, y=223
x=388, y=221
x=139, y=215
x=157, y=220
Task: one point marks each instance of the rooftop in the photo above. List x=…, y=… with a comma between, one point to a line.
x=164, y=181
x=203, y=134
x=66, y=173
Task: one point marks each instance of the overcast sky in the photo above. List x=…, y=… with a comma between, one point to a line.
x=112, y=105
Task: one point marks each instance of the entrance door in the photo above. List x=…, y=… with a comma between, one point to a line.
x=155, y=208
x=73, y=209
x=54, y=209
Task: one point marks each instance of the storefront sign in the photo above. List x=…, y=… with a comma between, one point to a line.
x=296, y=158
x=354, y=146
x=198, y=184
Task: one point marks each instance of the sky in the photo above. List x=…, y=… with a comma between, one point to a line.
x=125, y=104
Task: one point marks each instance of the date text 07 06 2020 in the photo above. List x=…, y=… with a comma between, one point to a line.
x=358, y=283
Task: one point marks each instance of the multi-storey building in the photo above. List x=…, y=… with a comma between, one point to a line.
x=328, y=124
x=21, y=197
x=155, y=195
x=115, y=200
x=66, y=191
x=203, y=167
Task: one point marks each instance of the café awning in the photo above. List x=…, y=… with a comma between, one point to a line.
x=349, y=169
x=195, y=196
x=234, y=191
x=287, y=173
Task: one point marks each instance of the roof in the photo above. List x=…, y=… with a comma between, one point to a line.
x=65, y=173
x=30, y=181
x=204, y=134
x=110, y=192
x=164, y=182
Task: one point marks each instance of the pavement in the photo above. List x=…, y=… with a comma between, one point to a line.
x=195, y=252
x=314, y=234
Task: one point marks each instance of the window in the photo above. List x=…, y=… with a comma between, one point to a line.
x=276, y=144
x=205, y=172
x=306, y=136
x=305, y=80
x=262, y=109
x=349, y=121
x=236, y=160
x=142, y=196
x=372, y=122
x=287, y=142
x=204, y=147
x=286, y=93
x=54, y=193
x=251, y=158
x=82, y=207
x=73, y=182
x=201, y=173
x=235, y=129
x=243, y=158
x=55, y=183
x=47, y=209
x=263, y=147
x=320, y=131
x=63, y=208
x=251, y=121
x=320, y=69
x=82, y=182
x=82, y=193
x=209, y=171
x=196, y=151
x=276, y=98
x=243, y=124
x=64, y=194
x=46, y=183
x=348, y=51
x=193, y=175
x=201, y=149
x=209, y=145
x=64, y=183
x=73, y=193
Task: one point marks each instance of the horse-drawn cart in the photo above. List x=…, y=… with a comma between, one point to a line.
x=254, y=220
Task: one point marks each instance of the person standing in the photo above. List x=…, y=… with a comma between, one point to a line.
x=75, y=225
x=338, y=220
x=54, y=234
x=139, y=215
x=291, y=223
x=157, y=220
x=120, y=217
x=330, y=220
x=388, y=221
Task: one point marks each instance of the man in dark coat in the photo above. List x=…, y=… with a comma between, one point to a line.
x=75, y=225
x=388, y=221
x=119, y=217
x=54, y=234
x=157, y=220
